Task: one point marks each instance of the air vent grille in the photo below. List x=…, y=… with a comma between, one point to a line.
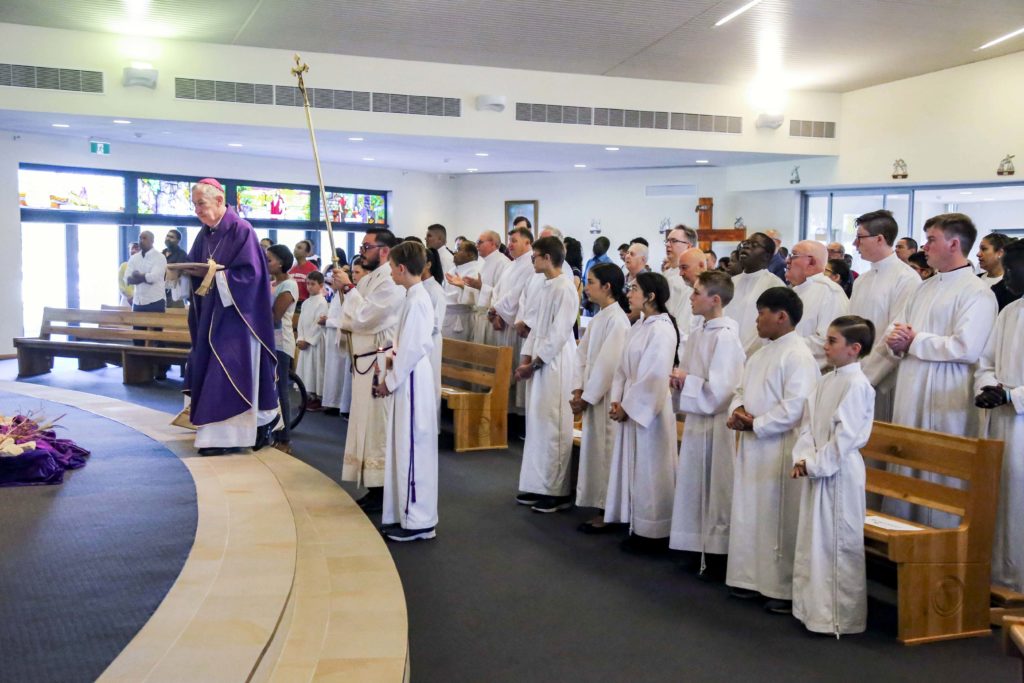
x=50, y=78
x=320, y=98
x=812, y=129
x=627, y=118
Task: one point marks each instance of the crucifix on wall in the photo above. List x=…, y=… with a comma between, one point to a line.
x=707, y=234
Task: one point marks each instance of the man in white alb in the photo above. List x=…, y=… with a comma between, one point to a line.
x=753, y=254
x=493, y=264
x=823, y=299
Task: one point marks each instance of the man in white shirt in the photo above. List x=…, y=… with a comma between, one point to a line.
x=493, y=264
x=146, y=273
x=437, y=238
x=823, y=299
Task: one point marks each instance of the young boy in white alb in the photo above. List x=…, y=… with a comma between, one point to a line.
x=309, y=340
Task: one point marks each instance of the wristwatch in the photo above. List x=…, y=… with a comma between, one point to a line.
x=537, y=364
x=345, y=289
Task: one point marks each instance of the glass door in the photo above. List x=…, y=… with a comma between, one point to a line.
x=44, y=272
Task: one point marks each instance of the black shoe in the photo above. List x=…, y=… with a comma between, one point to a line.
x=743, y=594
x=642, y=545
x=265, y=434
x=373, y=501
x=218, y=451
x=779, y=606
x=401, y=534
x=530, y=499
x=333, y=412
x=552, y=504
x=588, y=528
x=385, y=528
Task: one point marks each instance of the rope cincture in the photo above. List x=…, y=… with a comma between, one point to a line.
x=410, y=489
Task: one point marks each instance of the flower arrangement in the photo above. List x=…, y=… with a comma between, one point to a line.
x=31, y=453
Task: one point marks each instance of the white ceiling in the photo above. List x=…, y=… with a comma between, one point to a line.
x=414, y=153
x=828, y=45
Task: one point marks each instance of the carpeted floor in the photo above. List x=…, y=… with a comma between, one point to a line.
x=504, y=594
x=84, y=564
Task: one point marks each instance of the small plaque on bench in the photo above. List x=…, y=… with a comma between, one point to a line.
x=890, y=524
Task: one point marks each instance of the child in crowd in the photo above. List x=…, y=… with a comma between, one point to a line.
x=829, y=583
x=285, y=294
x=433, y=277
x=410, y=468
x=643, y=468
x=767, y=410
x=597, y=360
x=547, y=358
x=309, y=341
x=709, y=372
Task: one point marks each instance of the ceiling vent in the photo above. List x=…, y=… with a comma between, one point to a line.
x=50, y=78
x=628, y=118
x=319, y=98
x=812, y=129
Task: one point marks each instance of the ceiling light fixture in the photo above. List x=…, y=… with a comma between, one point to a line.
x=702, y=161
x=235, y=144
x=368, y=159
x=990, y=43
x=122, y=122
x=966, y=193
x=736, y=13
x=60, y=125
x=355, y=139
x=579, y=165
x=483, y=154
x=472, y=170
x=611, y=149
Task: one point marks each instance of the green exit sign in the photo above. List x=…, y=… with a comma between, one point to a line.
x=99, y=147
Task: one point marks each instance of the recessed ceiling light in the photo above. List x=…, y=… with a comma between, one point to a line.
x=368, y=158
x=702, y=161
x=989, y=199
x=579, y=165
x=234, y=144
x=966, y=193
x=122, y=121
x=1000, y=39
x=60, y=125
x=165, y=132
x=472, y=170
x=355, y=139
x=483, y=154
x=612, y=149
x=732, y=15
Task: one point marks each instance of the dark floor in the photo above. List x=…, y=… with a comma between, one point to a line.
x=504, y=594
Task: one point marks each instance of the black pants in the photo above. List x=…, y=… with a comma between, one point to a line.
x=284, y=365
x=159, y=306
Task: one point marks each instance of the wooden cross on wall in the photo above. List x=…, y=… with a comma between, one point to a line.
x=707, y=234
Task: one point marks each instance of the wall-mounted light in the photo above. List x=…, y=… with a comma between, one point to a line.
x=144, y=78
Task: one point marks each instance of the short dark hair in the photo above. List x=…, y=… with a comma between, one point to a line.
x=777, y=299
x=520, y=219
x=605, y=241
x=768, y=244
x=856, y=330
x=522, y=232
x=470, y=246
x=438, y=228
x=911, y=242
x=997, y=240
x=383, y=237
x=919, y=259
x=881, y=223
x=309, y=245
x=623, y=247
x=960, y=226
x=176, y=232
x=412, y=255
x=282, y=254
x=711, y=253
x=717, y=283
x=316, y=276
x=412, y=238
x=691, y=234
x=639, y=240
x=551, y=247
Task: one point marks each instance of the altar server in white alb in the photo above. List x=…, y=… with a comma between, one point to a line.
x=410, y=470
x=767, y=411
x=829, y=583
x=597, y=359
x=337, y=397
x=709, y=372
x=492, y=264
x=309, y=340
x=754, y=253
x=643, y=469
x=823, y=299
x=999, y=389
x=505, y=305
x=432, y=277
x=678, y=241
x=879, y=295
x=458, y=320
x=548, y=362
x=370, y=313
x=938, y=340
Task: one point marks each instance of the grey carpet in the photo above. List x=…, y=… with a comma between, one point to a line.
x=504, y=594
x=84, y=564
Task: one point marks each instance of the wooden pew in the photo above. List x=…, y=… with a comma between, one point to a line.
x=1013, y=639
x=942, y=574
x=474, y=382
x=96, y=338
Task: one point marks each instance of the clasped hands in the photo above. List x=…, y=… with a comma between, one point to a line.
x=461, y=281
x=677, y=379
x=576, y=403
x=740, y=420
x=901, y=337
x=991, y=397
x=136, y=278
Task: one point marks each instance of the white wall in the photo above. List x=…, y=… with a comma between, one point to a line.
x=415, y=200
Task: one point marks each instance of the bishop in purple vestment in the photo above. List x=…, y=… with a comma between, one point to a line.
x=232, y=367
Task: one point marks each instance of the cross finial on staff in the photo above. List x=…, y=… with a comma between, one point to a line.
x=299, y=69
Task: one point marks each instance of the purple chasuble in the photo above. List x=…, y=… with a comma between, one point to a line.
x=219, y=375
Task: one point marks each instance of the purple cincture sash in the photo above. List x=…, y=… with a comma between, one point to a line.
x=410, y=490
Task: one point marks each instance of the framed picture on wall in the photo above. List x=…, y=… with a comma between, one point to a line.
x=520, y=207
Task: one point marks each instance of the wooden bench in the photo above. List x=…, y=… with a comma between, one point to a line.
x=96, y=338
x=577, y=430
x=943, y=575
x=475, y=379
x=1013, y=638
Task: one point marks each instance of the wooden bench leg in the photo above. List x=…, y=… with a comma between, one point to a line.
x=479, y=430
x=91, y=364
x=137, y=370
x=32, y=362
x=942, y=601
